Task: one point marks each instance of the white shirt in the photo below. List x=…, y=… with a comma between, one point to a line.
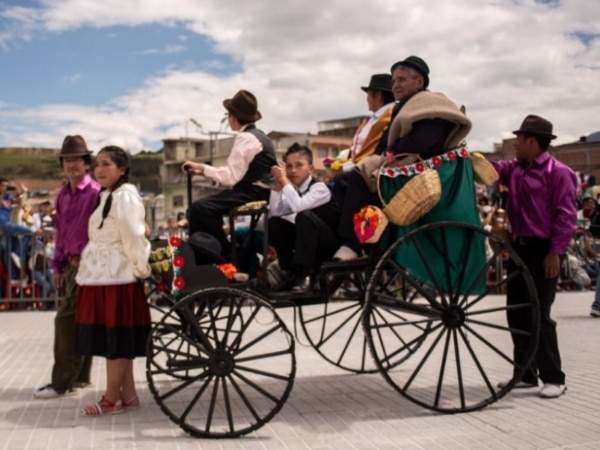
x=245, y=147
x=288, y=202
x=362, y=135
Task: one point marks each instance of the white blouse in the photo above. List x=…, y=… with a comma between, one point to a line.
x=118, y=252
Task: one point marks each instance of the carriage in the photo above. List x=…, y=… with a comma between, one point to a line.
x=221, y=361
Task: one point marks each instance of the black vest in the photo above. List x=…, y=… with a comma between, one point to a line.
x=262, y=162
x=329, y=212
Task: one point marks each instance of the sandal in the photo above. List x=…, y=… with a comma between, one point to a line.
x=133, y=403
x=103, y=407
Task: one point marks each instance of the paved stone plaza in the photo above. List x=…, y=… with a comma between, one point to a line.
x=327, y=409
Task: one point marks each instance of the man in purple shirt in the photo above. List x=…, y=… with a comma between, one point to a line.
x=74, y=205
x=542, y=214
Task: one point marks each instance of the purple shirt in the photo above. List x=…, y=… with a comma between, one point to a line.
x=73, y=210
x=541, y=199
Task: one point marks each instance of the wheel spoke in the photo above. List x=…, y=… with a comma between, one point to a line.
x=256, y=387
x=438, y=390
x=461, y=387
x=477, y=363
x=196, y=397
x=423, y=360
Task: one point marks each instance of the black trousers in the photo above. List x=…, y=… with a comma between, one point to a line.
x=546, y=363
x=207, y=214
x=304, y=243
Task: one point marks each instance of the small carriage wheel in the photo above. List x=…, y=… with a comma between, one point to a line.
x=466, y=343
x=333, y=327
x=238, y=361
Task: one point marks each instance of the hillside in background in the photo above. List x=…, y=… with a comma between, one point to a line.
x=144, y=173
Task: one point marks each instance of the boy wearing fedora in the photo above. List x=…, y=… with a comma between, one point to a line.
x=542, y=214
x=250, y=160
x=74, y=205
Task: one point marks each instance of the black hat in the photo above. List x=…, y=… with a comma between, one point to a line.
x=379, y=82
x=73, y=146
x=537, y=126
x=243, y=105
x=414, y=62
x=206, y=247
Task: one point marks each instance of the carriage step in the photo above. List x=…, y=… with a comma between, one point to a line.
x=350, y=265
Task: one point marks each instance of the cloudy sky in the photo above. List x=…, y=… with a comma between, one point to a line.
x=133, y=72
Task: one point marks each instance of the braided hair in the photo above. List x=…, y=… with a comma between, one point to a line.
x=121, y=160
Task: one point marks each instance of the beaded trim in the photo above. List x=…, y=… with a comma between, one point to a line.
x=420, y=166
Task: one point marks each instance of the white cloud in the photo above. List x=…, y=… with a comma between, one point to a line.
x=168, y=49
x=502, y=59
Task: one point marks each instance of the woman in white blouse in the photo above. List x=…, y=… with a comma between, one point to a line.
x=112, y=316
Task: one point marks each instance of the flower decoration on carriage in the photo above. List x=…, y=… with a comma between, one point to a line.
x=420, y=166
x=369, y=224
x=228, y=269
x=178, y=262
x=334, y=164
x=160, y=261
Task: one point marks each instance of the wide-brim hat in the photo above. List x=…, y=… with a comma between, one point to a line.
x=537, y=126
x=379, y=82
x=244, y=106
x=73, y=146
x=206, y=247
x=416, y=63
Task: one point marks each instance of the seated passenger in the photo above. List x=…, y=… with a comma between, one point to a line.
x=303, y=218
x=423, y=123
x=368, y=137
x=251, y=158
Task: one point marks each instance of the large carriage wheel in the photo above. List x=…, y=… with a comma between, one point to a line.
x=333, y=327
x=466, y=343
x=237, y=365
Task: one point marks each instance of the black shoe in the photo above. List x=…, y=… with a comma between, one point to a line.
x=296, y=281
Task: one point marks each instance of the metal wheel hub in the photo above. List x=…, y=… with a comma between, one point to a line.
x=221, y=363
x=453, y=316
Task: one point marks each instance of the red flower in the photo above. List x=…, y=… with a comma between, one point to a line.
x=390, y=172
x=451, y=156
x=160, y=287
x=174, y=241
x=436, y=161
x=464, y=152
x=178, y=261
x=404, y=170
x=419, y=167
x=178, y=283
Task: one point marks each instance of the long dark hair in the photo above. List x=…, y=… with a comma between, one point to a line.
x=121, y=160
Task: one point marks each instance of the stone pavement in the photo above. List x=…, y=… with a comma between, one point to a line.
x=327, y=409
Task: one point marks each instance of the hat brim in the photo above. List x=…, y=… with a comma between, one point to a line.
x=367, y=88
x=536, y=133
x=74, y=155
x=228, y=107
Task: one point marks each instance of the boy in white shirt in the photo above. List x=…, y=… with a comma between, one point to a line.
x=303, y=218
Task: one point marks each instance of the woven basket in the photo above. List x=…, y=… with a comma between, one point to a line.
x=415, y=199
x=483, y=171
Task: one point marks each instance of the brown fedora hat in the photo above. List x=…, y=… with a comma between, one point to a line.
x=244, y=106
x=537, y=126
x=73, y=146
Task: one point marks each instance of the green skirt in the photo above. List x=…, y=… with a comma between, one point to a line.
x=460, y=250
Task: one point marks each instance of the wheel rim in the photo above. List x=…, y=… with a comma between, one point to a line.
x=238, y=360
x=465, y=345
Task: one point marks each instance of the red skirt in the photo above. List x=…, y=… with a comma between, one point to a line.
x=112, y=321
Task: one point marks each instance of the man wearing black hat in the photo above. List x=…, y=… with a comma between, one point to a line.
x=250, y=160
x=542, y=214
x=422, y=123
